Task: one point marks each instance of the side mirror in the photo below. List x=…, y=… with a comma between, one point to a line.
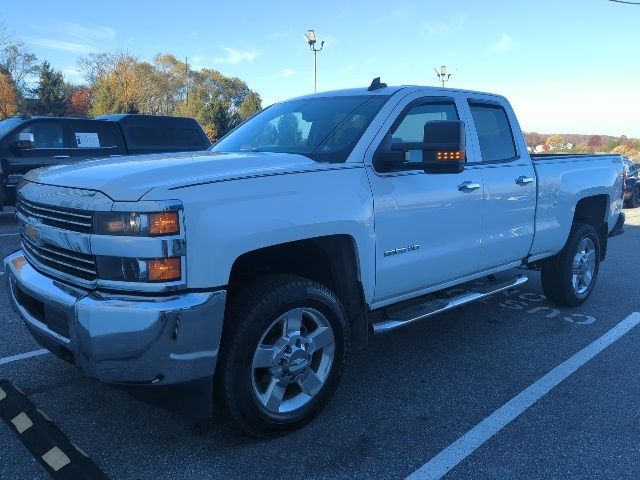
x=26, y=141
x=443, y=150
x=444, y=146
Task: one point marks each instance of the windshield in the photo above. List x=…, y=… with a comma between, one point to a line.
x=324, y=129
x=9, y=124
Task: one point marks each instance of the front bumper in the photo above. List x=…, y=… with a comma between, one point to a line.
x=119, y=338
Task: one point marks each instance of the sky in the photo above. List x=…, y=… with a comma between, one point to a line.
x=567, y=66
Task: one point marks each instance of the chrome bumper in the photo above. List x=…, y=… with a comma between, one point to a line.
x=119, y=338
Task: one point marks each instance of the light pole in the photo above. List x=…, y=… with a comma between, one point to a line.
x=443, y=76
x=310, y=37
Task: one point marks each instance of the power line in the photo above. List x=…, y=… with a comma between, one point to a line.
x=623, y=1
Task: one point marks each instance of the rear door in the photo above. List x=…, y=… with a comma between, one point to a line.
x=509, y=185
x=94, y=139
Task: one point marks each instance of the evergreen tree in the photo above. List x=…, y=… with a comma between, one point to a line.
x=250, y=105
x=51, y=91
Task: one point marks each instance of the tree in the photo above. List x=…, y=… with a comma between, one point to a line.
x=81, y=102
x=556, y=141
x=51, y=92
x=595, y=141
x=251, y=104
x=20, y=63
x=534, y=139
x=8, y=96
x=216, y=115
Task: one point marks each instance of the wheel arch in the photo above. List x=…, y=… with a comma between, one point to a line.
x=330, y=260
x=592, y=211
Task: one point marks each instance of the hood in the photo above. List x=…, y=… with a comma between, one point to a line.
x=129, y=178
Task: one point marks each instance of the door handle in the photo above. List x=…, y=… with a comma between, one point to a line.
x=468, y=186
x=524, y=180
x=61, y=157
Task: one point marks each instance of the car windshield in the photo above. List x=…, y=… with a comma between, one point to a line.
x=324, y=129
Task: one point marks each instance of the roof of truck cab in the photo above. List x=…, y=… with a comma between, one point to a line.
x=391, y=90
x=137, y=118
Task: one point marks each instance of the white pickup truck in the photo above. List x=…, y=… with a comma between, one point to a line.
x=316, y=223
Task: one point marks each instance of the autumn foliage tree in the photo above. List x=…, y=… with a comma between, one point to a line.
x=167, y=86
x=81, y=102
x=8, y=96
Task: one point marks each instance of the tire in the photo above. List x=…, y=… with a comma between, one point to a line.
x=569, y=277
x=282, y=354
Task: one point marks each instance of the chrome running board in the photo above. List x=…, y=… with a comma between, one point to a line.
x=402, y=317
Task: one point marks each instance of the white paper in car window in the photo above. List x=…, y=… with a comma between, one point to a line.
x=87, y=140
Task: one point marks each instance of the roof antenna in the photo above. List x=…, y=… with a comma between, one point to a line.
x=376, y=84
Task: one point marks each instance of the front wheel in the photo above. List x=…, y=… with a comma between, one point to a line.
x=569, y=277
x=282, y=355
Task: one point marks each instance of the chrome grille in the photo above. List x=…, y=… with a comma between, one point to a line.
x=54, y=216
x=77, y=264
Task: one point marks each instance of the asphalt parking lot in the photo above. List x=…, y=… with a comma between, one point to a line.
x=402, y=402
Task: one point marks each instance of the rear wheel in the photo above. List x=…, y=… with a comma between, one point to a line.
x=282, y=355
x=569, y=278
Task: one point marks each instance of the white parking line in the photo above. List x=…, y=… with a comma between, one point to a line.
x=9, y=234
x=22, y=356
x=451, y=456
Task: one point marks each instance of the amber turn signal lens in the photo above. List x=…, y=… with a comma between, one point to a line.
x=164, y=223
x=163, y=269
x=450, y=155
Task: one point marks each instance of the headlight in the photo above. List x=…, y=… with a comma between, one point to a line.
x=136, y=224
x=139, y=269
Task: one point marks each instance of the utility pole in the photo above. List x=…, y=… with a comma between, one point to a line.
x=186, y=83
x=443, y=76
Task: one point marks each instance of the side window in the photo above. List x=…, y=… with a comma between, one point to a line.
x=46, y=134
x=494, y=132
x=184, y=137
x=411, y=127
x=96, y=134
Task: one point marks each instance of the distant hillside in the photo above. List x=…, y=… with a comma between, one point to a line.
x=575, y=142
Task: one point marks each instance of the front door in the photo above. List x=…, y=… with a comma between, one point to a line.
x=427, y=225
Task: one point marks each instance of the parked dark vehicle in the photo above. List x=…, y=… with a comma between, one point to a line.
x=632, y=185
x=31, y=142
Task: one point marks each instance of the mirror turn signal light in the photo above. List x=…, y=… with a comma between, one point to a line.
x=444, y=156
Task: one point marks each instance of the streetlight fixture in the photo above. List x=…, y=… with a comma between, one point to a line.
x=443, y=76
x=311, y=39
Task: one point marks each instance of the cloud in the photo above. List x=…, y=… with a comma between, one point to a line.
x=73, y=37
x=436, y=28
x=399, y=13
x=278, y=35
x=72, y=74
x=505, y=44
x=61, y=45
x=236, y=56
x=285, y=73
x=77, y=31
x=347, y=69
